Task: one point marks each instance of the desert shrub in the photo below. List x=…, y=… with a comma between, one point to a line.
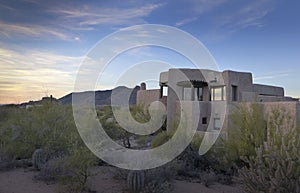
x=276, y=165
x=247, y=131
x=120, y=174
x=197, y=139
x=162, y=138
x=158, y=180
x=189, y=164
x=38, y=159
x=6, y=163
x=50, y=127
x=76, y=168
x=139, y=114
x=51, y=171
x=114, y=130
x=152, y=187
x=17, y=138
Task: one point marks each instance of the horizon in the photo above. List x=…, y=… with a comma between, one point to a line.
x=44, y=43
x=152, y=86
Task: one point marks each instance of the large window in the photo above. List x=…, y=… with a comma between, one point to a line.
x=187, y=93
x=198, y=93
x=218, y=93
x=192, y=93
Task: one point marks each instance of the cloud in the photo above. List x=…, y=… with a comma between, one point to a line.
x=195, y=9
x=89, y=16
x=204, y=6
x=226, y=17
x=237, y=16
x=3, y=6
x=249, y=15
x=61, y=21
x=25, y=75
x=12, y=30
x=185, y=21
x=273, y=75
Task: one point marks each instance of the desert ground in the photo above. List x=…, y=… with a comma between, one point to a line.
x=20, y=180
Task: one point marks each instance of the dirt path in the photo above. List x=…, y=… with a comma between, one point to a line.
x=21, y=181
x=188, y=187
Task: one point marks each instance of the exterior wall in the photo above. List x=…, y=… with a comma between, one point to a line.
x=146, y=97
x=163, y=77
x=243, y=82
x=197, y=116
x=263, y=98
x=268, y=90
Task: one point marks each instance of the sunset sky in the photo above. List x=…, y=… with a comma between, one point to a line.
x=42, y=43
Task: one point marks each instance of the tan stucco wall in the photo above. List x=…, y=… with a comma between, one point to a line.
x=146, y=97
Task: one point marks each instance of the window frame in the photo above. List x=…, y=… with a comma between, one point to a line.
x=213, y=93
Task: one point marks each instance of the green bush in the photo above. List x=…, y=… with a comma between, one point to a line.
x=196, y=142
x=114, y=130
x=276, y=165
x=162, y=138
x=247, y=131
x=266, y=149
x=77, y=166
x=49, y=127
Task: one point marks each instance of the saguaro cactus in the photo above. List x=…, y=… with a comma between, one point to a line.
x=38, y=159
x=136, y=181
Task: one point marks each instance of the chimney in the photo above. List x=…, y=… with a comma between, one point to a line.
x=143, y=86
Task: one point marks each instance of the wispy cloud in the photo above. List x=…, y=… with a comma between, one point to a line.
x=62, y=22
x=249, y=15
x=238, y=16
x=3, y=6
x=204, y=6
x=197, y=8
x=185, y=21
x=13, y=30
x=98, y=16
x=272, y=75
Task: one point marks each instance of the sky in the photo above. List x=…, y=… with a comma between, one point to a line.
x=43, y=43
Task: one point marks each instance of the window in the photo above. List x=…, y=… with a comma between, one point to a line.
x=217, y=123
x=204, y=120
x=234, y=93
x=187, y=93
x=198, y=94
x=218, y=93
x=163, y=91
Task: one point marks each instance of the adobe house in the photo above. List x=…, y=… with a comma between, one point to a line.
x=202, y=94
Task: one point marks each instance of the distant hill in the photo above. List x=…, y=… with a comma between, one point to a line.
x=103, y=97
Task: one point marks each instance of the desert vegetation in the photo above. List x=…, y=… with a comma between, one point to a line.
x=46, y=135
x=261, y=152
